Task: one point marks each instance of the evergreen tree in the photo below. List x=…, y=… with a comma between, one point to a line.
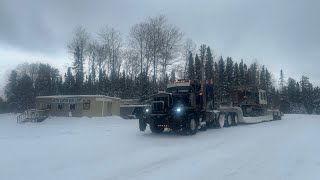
x=306, y=94
x=11, y=91
x=172, y=76
x=281, y=81
x=69, y=83
x=236, y=75
x=78, y=66
x=229, y=75
x=25, y=93
x=44, y=81
x=191, y=71
x=263, y=84
x=247, y=80
x=216, y=73
x=222, y=91
x=291, y=90
x=253, y=74
x=101, y=82
x=198, y=67
x=241, y=73
x=298, y=95
x=209, y=64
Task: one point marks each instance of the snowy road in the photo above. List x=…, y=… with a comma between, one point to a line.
x=103, y=149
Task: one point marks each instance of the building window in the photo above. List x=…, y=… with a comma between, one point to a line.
x=49, y=106
x=72, y=107
x=86, y=104
x=60, y=106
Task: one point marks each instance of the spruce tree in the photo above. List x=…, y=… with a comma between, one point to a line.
x=209, y=64
x=11, y=91
x=229, y=75
x=191, y=71
x=172, y=76
x=263, y=78
x=236, y=74
x=197, y=67
x=222, y=79
x=281, y=81
x=241, y=73
x=25, y=93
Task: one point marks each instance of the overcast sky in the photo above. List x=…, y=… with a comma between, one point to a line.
x=279, y=34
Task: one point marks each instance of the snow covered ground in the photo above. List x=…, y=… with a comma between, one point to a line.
x=113, y=148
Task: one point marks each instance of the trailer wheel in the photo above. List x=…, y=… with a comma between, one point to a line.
x=191, y=126
x=221, y=120
x=142, y=124
x=155, y=128
x=235, y=119
x=228, y=120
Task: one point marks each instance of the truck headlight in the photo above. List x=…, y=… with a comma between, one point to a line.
x=178, y=109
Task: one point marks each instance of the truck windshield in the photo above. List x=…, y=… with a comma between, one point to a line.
x=181, y=100
x=179, y=89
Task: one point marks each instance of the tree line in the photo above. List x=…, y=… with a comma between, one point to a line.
x=154, y=53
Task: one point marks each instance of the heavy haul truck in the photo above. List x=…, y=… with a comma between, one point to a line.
x=189, y=106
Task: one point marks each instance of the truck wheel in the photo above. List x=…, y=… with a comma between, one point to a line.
x=155, y=128
x=142, y=124
x=274, y=117
x=228, y=120
x=235, y=119
x=220, y=121
x=191, y=126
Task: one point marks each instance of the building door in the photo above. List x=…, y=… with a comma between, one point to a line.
x=109, y=108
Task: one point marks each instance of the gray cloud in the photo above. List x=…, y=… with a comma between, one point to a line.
x=281, y=34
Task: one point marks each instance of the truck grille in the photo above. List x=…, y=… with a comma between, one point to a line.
x=157, y=107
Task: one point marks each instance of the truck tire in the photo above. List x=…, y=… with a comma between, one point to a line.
x=155, y=128
x=275, y=117
x=220, y=120
x=235, y=119
x=191, y=125
x=142, y=124
x=228, y=120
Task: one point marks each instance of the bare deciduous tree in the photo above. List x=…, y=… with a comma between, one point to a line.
x=112, y=46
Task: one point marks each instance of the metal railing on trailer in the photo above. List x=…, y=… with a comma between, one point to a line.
x=32, y=115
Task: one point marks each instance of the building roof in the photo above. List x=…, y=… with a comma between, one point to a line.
x=75, y=96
